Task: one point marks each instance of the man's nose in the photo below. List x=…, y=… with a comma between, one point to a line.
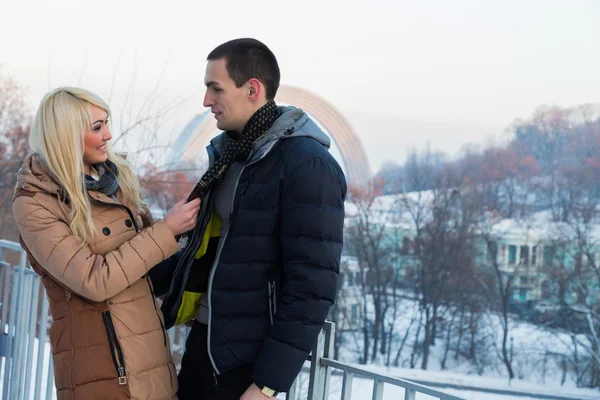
x=208, y=101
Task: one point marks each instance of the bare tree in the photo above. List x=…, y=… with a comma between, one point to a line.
x=15, y=119
x=367, y=236
x=442, y=221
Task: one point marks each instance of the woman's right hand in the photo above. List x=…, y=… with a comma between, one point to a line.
x=182, y=217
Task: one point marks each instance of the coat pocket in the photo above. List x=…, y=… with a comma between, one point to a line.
x=115, y=348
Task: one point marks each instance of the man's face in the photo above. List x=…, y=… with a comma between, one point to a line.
x=229, y=104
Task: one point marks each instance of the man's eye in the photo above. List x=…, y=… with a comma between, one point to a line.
x=218, y=90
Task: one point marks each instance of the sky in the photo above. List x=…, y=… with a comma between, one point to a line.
x=406, y=74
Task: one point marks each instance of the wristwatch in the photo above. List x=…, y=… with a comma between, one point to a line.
x=267, y=391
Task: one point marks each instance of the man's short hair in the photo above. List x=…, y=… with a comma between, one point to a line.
x=249, y=58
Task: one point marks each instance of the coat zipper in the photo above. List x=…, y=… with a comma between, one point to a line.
x=115, y=347
x=218, y=256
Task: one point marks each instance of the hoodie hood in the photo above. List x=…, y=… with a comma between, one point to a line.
x=34, y=177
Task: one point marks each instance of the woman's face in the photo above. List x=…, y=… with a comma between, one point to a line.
x=95, y=139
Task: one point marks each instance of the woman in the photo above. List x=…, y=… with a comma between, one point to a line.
x=89, y=236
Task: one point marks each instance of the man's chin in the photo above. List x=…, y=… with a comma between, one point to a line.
x=223, y=126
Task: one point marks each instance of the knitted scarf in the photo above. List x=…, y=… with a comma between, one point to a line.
x=237, y=147
x=108, y=183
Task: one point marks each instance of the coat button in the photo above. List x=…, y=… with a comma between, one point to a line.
x=106, y=231
x=128, y=223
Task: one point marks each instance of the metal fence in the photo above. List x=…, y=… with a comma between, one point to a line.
x=23, y=336
x=26, y=364
x=320, y=375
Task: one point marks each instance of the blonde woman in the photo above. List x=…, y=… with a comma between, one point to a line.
x=90, y=238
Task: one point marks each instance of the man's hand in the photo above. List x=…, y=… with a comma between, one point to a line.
x=254, y=393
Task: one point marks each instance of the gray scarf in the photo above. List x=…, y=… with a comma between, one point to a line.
x=108, y=183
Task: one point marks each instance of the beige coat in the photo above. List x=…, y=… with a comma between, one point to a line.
x=107, y=337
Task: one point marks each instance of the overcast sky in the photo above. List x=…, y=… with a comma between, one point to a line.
x=404, y=73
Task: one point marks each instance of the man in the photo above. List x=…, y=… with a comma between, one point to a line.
x=259, y=272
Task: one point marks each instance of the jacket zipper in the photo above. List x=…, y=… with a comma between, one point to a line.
x=272, y=301
x=115, y=348
x=156, y=310
x=218, y=256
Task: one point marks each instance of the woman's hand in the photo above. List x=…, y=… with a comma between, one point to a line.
x=182, y=216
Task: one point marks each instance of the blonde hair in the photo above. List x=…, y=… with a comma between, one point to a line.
x=57, y=136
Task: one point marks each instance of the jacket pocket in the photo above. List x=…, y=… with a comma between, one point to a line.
x=115, y=348
x=272, y=301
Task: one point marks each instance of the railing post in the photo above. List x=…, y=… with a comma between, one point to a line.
x=317, y=371
x=409, y=394
x=329, y=328
x=291, y=394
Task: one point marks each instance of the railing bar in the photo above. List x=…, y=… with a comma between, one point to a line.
x=43, y=334
x=50, y=378
x=377, y=390
x=7, y=244
x=33, y=310
x=6, y=269
x=12, y=316
x=16, y=390
x=409, y=394
x=347, y=386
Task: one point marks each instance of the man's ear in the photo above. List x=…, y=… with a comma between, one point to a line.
x=255, y=89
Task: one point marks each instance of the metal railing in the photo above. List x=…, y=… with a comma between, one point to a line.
x=23, y=340
x=320, y=375
x=24, y=336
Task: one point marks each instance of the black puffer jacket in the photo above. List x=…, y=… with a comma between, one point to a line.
x=274, y=279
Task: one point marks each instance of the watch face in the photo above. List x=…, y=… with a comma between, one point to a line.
x=268, y=392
